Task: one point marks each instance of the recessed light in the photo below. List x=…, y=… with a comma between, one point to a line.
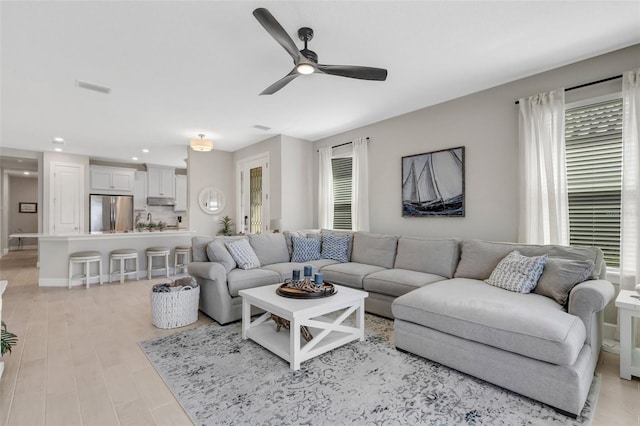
x=25, y=173
x=134, y=158
x=145, y=150
x=58, y=139
x=57, y=149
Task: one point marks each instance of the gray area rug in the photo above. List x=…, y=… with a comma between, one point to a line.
x=221, y=379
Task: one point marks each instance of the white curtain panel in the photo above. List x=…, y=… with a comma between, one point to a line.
x=629, y=226
x=325, y=188
x=544, y=205
x=360, y=186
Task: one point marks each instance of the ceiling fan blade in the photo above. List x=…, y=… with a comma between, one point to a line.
x=280, y=83
x=351, y=71
x=274, y=28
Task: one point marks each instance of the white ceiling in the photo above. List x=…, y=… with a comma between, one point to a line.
x=179, y=68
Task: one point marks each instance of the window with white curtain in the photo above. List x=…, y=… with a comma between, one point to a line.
x=342, y=168
x=593, y=137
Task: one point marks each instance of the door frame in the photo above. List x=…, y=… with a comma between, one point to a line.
x=243, y=166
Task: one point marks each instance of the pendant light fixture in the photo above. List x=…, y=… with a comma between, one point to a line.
x=202, y=144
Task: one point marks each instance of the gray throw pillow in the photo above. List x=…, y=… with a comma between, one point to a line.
x=517, y=272
x=560, y=276
x=217, y=252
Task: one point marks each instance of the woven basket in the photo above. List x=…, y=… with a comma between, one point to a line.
x=175, y=309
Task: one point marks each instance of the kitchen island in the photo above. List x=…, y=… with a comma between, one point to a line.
x=54, y=251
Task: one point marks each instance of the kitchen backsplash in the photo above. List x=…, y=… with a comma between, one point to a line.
x=164, y=214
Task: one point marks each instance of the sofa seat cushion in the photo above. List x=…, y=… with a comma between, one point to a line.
x=396, y=282
x=285, y=269
x=527, y=324
x=350, y=274
x=240, y=279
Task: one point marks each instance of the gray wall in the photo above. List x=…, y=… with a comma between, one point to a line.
x=297, y=184
x=213, y=168
x=486, y=123
x=23, y=190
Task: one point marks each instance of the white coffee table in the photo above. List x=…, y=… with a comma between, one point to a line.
x=328, y=333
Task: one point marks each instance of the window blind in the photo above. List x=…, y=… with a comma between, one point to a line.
x=593, y=137
x=342, y=183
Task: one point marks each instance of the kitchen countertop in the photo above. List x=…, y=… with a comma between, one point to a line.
x=109, y=235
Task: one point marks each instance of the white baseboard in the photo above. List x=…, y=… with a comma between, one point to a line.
x=609, y=331
x=64, y=282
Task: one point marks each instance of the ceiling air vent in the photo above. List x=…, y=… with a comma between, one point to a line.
x=94, y=87
x=259, y=127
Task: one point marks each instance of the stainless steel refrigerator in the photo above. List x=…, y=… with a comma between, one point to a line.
x=111, y=213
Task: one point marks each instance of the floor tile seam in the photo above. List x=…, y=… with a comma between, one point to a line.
x=167, y=405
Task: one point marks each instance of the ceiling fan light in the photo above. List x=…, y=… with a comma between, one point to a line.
x=305, y=68
x=202, y=145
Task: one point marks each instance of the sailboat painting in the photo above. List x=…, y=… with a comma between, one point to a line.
x=433, y=183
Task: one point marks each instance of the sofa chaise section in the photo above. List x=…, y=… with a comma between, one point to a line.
x=527, y=343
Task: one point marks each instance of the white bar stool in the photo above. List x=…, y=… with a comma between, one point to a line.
x=155, y=252
x=123, y=255
x=185, y=257
x=85, y=258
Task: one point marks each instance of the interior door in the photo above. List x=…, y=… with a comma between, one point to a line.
x=67, y=189
x=254, y=196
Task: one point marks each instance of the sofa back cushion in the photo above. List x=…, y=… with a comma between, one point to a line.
x=437, y=256
x=270, y=248
x=374, y=249
x=305, y=233
x=199, y=248
x=479, y=258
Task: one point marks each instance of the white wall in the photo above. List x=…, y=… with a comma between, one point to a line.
x=214, y=168
x=297, y=185
x=486, y=123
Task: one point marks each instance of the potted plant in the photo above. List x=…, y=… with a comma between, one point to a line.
x=162, y=226
x=151, y=226
x=7, y=339
x=140, y=226
x=226, y=226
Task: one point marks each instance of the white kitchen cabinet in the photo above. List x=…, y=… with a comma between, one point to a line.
x=112, y=180
x=181, y=194
x=161, y=181
x=140, y=191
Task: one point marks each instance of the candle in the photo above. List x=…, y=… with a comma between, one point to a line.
x=307, y=271
x=318, y=279
x=295, y=275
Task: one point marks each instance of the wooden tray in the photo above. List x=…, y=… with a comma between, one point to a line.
x=295, y=293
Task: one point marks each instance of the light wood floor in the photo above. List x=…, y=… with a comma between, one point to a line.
x=78, y=359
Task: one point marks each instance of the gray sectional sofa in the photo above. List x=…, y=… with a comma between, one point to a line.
x=443, y=309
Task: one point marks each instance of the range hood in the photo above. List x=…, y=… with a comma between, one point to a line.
x=161, y=201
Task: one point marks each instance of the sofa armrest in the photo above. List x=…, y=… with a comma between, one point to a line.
x=588, y=298
x=213, y=271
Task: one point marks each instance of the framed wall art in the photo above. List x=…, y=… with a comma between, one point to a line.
x=433, y=183
x=28, y=207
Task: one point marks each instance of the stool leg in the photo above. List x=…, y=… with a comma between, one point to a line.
x=149, y=260
x=166, y=263
x=87, y=273
x=110, y=269
x=137, y=270
x=100, y=270
x=123, y=263
x=70, y=273
x=175, y=264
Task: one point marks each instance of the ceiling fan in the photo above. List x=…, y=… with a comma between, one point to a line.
x=305, y=60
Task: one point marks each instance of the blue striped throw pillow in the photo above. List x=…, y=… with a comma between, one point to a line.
x=243, y=254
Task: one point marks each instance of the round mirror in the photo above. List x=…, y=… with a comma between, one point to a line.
x=211, y=200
